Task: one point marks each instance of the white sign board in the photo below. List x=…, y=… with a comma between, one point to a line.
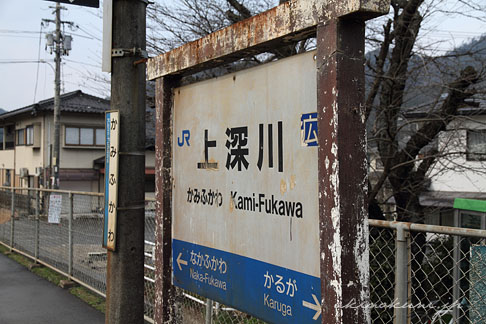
x=112, y=129
x=107, y=35
x=245, y=223
x=55, y=207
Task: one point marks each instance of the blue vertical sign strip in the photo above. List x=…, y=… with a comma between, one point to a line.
x=272, y=293
x=107, y=168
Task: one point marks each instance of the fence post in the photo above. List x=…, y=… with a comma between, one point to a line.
x=36, y=248
x=70, y=224
x=209, y=311
x=29, y=201
x=401, y=289
x=456, y=272
x=12, y=220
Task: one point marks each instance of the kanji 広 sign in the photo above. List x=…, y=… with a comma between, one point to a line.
x=111, y=179
x=85, y=3
x=245, y=226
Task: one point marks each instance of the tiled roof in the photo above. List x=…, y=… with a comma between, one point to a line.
x=76, y=102
x=474, y=106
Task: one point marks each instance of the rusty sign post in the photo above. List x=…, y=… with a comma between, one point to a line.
x=337, y=292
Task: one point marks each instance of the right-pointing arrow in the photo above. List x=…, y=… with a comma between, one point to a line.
x=316, y=306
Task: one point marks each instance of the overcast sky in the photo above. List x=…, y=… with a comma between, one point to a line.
x=20, y=24
x=23, y=82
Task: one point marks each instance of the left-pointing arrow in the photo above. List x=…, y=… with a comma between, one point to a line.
x=316, y=306
x=180, y=261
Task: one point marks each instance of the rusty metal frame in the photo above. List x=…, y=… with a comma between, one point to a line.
x=165, y=292
x=339, y=28
x=289, y=22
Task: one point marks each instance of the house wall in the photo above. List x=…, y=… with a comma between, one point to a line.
x=78, y=186
x=455, y=172
x=29, y=156
x=72, y=157
x=7, y=159
x=78, y=156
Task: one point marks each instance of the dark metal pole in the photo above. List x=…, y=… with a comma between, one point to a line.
x=125, y=283
x=342, y=167
x=57, y=99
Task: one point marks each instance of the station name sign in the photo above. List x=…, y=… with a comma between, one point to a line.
x=246, y=220
x=112, y=135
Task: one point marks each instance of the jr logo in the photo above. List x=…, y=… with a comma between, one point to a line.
x=186, y=135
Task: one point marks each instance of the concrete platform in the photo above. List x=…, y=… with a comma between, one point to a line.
x=27, y=298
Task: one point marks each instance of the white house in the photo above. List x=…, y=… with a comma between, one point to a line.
x=461, y=171
x=27, y=136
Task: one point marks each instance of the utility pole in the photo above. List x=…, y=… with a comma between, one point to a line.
x=125, y=269
x=61, y=45
x=57, y=99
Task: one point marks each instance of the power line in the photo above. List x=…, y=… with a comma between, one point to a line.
x=16, y=36
x=15, y=33
x=88, y=33
x=22, y=61
x=14, y=61
x=83, y=63
x=12, y=31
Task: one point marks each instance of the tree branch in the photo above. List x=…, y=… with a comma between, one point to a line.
x=456, y=96
x=380, y=63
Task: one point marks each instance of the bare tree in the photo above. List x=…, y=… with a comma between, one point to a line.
x=405, y=72
x=173, y=23
x=405, y=75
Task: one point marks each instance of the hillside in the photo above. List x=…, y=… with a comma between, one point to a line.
x=430, y=75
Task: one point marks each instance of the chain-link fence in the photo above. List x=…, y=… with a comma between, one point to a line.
x=427, y=274
x=64, y=231
x=418, y=273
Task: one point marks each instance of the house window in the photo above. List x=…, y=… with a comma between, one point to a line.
x=84, y=136
x=20, y=136
x=476, y=145
x=100, y=136
x=29, y=135
x=7, y=178
x=9, y=137
x=72, y=136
